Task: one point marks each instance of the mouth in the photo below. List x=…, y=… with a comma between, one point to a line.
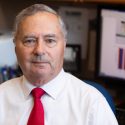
x=40, y=63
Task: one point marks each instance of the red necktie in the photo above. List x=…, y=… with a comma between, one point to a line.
x=37, y=114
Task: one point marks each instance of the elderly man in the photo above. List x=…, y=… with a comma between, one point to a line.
x=45, y=94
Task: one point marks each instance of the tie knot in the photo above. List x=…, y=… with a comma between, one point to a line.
x=37, y=92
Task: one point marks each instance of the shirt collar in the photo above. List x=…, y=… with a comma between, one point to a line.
x=53, y=88
x=27, y=87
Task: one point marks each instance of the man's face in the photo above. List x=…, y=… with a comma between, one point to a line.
x=40, y=47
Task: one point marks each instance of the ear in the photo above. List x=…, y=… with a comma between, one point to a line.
x=64, y=45
x=14, y=44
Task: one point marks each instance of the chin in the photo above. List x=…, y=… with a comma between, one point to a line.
x=42, y=74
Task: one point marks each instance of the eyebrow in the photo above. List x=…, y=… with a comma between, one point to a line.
x=50, y=35
x=29, y=36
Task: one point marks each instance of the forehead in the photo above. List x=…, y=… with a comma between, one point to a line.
x=41, y=21
x=41, y=18
x=43, y=15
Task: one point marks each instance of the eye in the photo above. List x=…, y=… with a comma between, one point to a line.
x=29, y=42
x=51, y=42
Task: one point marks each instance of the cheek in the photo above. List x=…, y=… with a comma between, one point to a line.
x=22, y=54
x=59, y=55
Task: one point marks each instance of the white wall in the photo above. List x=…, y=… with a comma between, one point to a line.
x=77, y=23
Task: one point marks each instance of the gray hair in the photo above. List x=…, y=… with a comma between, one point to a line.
x=33, y=9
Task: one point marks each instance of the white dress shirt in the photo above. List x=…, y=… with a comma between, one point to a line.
x=68, y=101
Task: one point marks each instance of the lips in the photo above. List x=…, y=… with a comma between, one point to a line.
x=40, y=63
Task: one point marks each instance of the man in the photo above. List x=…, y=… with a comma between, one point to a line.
x=40, y=40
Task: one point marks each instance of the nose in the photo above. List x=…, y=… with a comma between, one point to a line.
x=39, y=48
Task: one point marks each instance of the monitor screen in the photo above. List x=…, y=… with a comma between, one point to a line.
x=111, y=42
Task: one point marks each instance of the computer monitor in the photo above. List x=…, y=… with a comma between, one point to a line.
x=111, y=42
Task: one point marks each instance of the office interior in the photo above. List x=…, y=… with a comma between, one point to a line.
x=82, y=53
